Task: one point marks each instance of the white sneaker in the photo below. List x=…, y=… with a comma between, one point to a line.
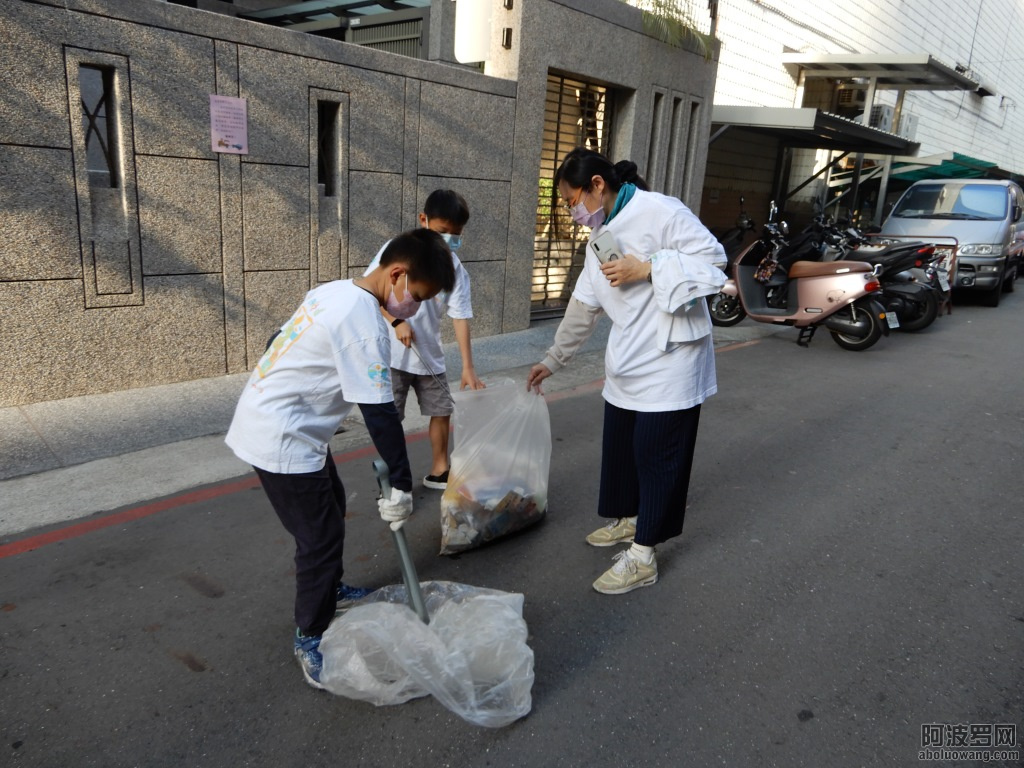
x=628, y=573
x=617, y=531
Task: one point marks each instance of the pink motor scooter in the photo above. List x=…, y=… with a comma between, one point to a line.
x=775, y=281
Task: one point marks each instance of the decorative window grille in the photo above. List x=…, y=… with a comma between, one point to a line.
x=577, y=114
x=96, y=85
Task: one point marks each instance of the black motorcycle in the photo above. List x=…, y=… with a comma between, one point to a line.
x=733, y=239
x=909, y=277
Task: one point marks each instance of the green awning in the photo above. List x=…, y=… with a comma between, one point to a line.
x=957, y=167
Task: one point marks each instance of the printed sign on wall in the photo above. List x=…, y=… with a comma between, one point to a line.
x=229, y=125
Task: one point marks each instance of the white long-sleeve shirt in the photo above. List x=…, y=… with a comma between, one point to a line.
x=660, y=355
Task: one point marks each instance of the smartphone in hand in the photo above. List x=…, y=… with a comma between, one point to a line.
x=605, y=247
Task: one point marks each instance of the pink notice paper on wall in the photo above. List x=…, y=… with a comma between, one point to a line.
x=229, y=125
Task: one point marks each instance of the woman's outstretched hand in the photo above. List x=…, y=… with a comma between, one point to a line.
x=537, y=374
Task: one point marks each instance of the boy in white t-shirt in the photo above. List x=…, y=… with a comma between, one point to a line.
x=331, y=355
x=417, y=360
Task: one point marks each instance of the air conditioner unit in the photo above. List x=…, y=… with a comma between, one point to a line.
x=848, y=98
x=908, y=127
x=881, y=117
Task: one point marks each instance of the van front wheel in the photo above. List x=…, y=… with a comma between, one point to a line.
x=1008, y=284
x=991, y=297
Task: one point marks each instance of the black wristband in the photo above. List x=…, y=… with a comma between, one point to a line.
x=396, y=321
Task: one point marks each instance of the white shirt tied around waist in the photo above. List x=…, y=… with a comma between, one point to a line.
x=660, y=355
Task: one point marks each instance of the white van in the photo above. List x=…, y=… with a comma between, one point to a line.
x=985, y=218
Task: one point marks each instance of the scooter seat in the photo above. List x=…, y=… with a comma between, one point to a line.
x=824, y=268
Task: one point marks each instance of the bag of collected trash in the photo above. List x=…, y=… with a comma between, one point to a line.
x=498, y=482
x=472, y=657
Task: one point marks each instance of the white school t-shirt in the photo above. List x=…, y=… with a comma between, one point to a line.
x=639, y=376
x=426, y=323
x=331, y=354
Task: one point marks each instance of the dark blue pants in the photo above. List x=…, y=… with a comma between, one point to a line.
x=311, y=506
x=645, y=469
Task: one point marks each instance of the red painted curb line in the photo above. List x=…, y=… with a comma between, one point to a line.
x=233, y=486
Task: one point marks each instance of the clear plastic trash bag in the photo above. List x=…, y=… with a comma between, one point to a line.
x=472, y=657
x=498, y=482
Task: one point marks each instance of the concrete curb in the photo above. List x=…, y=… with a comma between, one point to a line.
x=67, y=459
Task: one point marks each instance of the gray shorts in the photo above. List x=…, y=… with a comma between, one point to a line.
x=432, y=397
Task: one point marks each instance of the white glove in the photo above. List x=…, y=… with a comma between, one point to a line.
x=397, y=508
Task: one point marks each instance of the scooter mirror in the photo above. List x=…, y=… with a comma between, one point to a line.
x=772, y=211
x=784, y=228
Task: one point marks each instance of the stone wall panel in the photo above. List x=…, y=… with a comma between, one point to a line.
x=39, y=215
x=179, y=215
x=275, y=213
x=270, y=299
x=487, y=283
x=33, y=99
x=375, y=215
x=67, y=350
x=485, y=235
x=448, y=115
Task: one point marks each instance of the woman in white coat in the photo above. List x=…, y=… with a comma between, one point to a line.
x=659, y=361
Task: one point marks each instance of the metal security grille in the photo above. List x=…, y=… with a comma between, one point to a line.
x=395, y=26
x=404, y=38
x=577, y=114
x=96, y=85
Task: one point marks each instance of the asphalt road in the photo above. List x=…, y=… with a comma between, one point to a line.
x=851, y=569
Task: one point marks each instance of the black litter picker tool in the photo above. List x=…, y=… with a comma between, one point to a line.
x=412, y=582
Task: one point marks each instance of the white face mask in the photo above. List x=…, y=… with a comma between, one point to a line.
x=403, y=308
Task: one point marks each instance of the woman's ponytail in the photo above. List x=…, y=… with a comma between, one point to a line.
x=626, y=172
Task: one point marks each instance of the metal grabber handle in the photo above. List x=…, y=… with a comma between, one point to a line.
x=412, y=583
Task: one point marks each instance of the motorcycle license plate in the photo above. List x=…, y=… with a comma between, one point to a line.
x=892, y=321
x=943, y=282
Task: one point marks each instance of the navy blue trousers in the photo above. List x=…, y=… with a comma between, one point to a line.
x=311, y=506
x=645, y=469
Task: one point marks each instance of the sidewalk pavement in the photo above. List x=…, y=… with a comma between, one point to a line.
x=66, y=459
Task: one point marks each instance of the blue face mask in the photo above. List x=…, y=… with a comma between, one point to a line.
x=454, y=241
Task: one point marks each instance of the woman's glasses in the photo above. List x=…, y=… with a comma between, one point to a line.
x=573, y=203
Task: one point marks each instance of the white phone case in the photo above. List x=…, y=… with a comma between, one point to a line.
x=605, y=247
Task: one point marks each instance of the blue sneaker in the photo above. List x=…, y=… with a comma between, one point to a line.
x=307, y=651
x=349, y=594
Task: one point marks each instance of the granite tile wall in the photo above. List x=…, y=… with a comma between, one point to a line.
x=184, y=268
x=207, y=253
x=179, y=215
x=39, y=214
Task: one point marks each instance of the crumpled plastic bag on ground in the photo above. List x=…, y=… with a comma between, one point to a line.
x=472, y=657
